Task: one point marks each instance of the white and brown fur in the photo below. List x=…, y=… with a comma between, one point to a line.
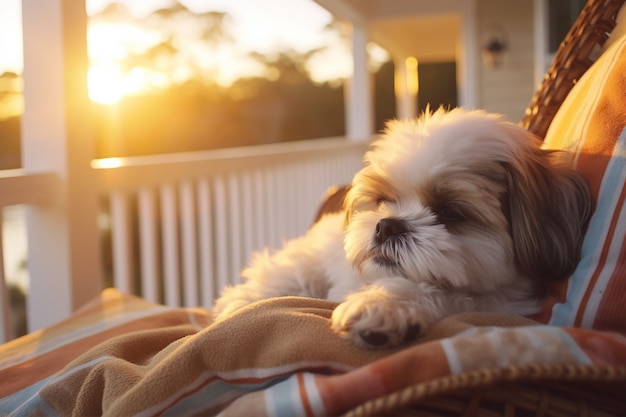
x=453, y=212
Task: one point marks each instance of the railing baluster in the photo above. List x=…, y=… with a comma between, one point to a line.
x=316, y=189
x=260, y=211
x=244, y=201
x=281, y=194
x=123, y=262
x=148, y=238
x=271, y=201
x=6, y=322
x=189, y=245
x=291, y=191
x=169, y=245
x=248, y=205
x=300, y=199
x=236, y=242
x=205, y=226
x=276, y=195
x=221, y=237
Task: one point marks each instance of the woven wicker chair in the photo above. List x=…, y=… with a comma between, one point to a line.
x=577, y=52
x=533, y=390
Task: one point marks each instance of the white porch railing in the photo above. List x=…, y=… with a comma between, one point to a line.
x=183, y=225
x=17, y=187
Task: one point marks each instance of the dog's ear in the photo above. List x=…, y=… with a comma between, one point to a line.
x=548, y=207
x=333, y=202
x=348, y=203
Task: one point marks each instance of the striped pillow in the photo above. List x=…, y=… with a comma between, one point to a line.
x=591, y=123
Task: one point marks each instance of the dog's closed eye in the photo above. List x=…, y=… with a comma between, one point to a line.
x=380, y=200
x=383, y=200
x=448, y=215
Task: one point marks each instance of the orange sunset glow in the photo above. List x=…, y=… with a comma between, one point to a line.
x=141, y=46
x=131, y=55
x=169, y=76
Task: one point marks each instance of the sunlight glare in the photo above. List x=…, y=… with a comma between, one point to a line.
x=412, y=78
x=135, y=81
x=106, y=163
x=108, y=84
x=105, y=81
x=115, y=41
x=330, y=64
x=102, y=43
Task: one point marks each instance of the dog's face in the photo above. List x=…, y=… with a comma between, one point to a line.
x=463, y=200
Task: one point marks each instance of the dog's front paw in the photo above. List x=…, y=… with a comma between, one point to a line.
x=232, y=299
x=374, y=321
x=224, y=307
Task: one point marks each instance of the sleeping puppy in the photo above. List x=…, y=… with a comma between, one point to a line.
x=453, y=212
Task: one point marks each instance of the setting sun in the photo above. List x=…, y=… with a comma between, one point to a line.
x=134, y=53
x=106, y=83
x=109, y=45
x=124, y=38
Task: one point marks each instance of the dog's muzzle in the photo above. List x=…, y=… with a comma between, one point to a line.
x=389, y=228
x=388, y=237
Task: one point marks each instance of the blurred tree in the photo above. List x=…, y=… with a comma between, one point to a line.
x=195, y=111
x=114, y=12
x=255, y=110
x=11, y=100
x=11, y=106
x=17, y=304
x=193, y=108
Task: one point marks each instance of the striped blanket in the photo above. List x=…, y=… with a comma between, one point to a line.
x=123, y=356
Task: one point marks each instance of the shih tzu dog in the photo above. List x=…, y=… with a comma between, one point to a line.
x=453, y=212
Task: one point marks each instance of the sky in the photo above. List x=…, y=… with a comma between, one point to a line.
x=262, y=26
x=10, y=35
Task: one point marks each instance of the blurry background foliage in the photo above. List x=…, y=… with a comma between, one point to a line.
x=185, y=100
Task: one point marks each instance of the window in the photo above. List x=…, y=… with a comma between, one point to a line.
x=561, y=16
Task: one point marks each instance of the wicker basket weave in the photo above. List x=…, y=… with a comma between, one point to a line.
x=533, y=390
x=579, y=49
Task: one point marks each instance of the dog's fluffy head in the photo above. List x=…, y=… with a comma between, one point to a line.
x=464, y=200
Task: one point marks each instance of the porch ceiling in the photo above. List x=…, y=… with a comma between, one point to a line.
x=432, y=39
x=426, y=29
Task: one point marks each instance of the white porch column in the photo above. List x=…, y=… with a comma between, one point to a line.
x=406, y=86
x=358, y=94
x=468, y=57
x=64, y=257
x=540, y=21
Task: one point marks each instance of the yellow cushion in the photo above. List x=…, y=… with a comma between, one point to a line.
x=591, y=124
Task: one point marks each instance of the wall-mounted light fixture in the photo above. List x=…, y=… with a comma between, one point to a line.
x=494, y=49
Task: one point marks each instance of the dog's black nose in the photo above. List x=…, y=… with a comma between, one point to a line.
x=386, y=228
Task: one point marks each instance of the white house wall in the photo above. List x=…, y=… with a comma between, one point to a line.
x=405, y=29
x=508, y=88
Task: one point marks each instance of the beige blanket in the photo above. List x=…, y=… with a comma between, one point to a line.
x=137, y=358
